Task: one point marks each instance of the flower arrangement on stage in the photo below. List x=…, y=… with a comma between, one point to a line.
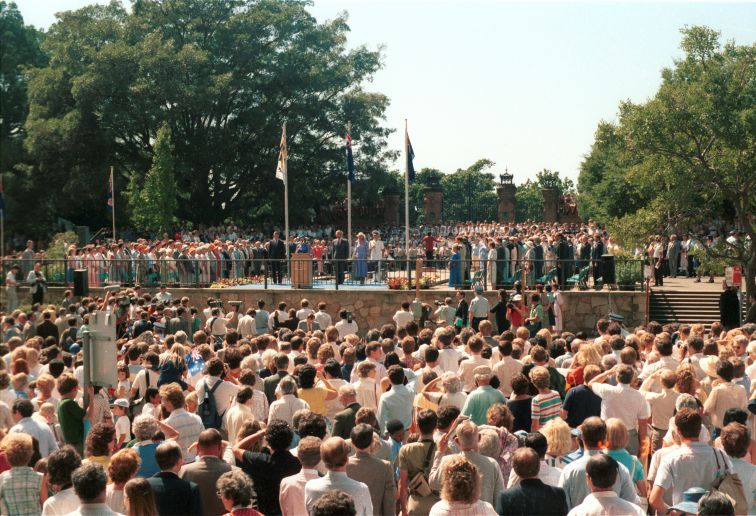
x=237, y=282
x=398, y=283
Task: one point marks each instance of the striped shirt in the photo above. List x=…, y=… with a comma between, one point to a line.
x=189, y=426
x=19, y=491
x=545, y=407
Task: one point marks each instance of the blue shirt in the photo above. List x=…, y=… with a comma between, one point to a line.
x=396, y=404
x=43, y=434
x=149, y=465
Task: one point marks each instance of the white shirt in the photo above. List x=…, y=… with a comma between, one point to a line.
x=359, y=492
x=623, y=402
x=376, y=249
x=448, y=359
x=346, y=328
x=302, y=313
x=694, y=465
x=606, y=503
x=506, y=369
x=466, y=368
x=285, y=408
x=402, y=318
x=123, y=427
x=246, y=326
x=65, y=502
x=291, y=494
x=234, y=418
x=547, y=474
x=323, y=319
x=224, y=394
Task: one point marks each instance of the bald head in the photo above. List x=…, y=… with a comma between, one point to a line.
x=347, y=395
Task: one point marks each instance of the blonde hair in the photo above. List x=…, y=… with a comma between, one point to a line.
x=18, y=449
x=546, y=334
x=460, y=480
x=616, y=434
x=539, y=375
x=558, y=437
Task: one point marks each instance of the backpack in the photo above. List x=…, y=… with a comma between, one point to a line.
x=208, y=410
x=730, y=485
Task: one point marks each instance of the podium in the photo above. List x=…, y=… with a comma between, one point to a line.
x=301, y=270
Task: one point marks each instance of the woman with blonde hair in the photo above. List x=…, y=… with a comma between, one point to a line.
x=617, y=438
x=460, y=490
x=588, y=354
x=139, y=499
x=546, y=334
x=173, y=367
x=559, y=438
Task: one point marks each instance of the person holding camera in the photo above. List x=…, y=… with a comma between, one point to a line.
x=37, y=283
x=346, y=326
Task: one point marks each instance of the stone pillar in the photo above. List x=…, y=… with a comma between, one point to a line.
x=507, y=202
x=550, y=204
x=432, y=204
x=391, y=207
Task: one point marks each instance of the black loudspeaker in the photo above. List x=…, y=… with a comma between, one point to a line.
x=81, y=283
x=607, y=272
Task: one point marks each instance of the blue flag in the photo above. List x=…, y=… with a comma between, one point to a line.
x=410, y=157
x=349, y=158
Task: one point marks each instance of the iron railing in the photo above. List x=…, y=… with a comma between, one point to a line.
x=330, y=273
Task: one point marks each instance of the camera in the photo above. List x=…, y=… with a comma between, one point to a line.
x=349, y=317
x=438, y=303
x=216, y=303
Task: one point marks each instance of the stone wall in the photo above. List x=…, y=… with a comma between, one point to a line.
x=372, y=309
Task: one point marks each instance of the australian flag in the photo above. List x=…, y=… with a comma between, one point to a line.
x=194, y=362
x=349, y=158
x=410, y=157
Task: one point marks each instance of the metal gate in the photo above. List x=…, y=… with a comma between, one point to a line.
x=475, y=202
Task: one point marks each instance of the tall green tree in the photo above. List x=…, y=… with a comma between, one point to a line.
x=530, y=199
x=153, y=202
x=19, y=51
x=695, y=139
x=224, y=75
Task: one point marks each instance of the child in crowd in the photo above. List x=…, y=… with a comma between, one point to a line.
x=122, y=424
x=546, y=405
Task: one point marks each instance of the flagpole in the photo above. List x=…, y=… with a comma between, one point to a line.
x=286, y=198
x=349, y=199
x=406, y=194
x=112, y=201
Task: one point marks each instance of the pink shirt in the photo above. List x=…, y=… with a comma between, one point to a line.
x=291, y=496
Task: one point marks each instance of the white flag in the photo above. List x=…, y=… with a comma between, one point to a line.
x=283, y=155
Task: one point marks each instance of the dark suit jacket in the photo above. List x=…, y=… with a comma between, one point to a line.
x=277, y=251
x=48, y=329
x=340, y=249
x=270, y=384
x=174, y=496
x=531, y=497
x=344, y=421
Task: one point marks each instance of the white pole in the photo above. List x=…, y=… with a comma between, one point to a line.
x=286, y=196
x=406, y=193
x=112, y=201
x=349, y=198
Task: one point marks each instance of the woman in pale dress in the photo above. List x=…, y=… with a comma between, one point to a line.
x=491, y=266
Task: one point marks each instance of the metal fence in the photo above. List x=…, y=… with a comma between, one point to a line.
x=330, y=273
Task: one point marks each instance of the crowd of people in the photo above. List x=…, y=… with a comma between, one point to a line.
x=293, y=411
x=498, y=253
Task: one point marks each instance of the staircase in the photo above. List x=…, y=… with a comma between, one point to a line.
x=684, y=306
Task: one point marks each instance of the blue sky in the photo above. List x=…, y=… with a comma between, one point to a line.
x=523, y=84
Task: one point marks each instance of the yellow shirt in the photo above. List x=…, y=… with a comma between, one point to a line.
x=315, y=397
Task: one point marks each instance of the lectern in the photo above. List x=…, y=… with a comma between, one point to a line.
x=301, y=270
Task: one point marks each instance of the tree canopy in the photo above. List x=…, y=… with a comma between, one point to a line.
x=687, y=156
x=222, y=75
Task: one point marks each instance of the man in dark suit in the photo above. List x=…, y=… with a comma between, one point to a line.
x=47, y=328
x=340, y=254
x=531, y=497
x=207, y=469
x=281, y=362
x=276, y=254
x=562, y=252
x=309, y=325
x=375, y=473
x=344, y=420
x=173, y=496
x=597, y=251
